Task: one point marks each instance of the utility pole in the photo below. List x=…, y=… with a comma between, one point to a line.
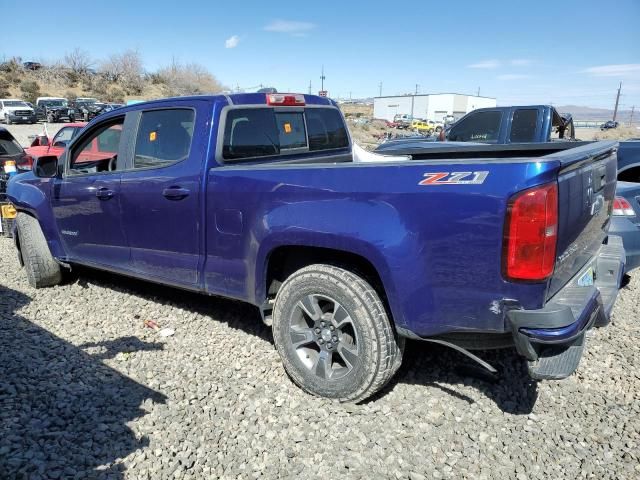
x=417, y=87
x=309, y=87
x=633, y=108
x=615, y=110
x=478, y=94
x=349, y=96
x=322, y=77
x=380, y=89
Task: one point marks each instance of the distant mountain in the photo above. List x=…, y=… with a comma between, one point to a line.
x=589, y=113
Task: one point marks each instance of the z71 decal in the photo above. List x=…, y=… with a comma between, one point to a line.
x=454, y=178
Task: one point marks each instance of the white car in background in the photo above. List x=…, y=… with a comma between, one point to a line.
x=16, y=111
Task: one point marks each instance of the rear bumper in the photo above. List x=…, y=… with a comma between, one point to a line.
x=630, y=234
x=564, y=320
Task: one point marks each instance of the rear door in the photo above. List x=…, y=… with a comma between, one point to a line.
x=586, y=190
x=160, y=192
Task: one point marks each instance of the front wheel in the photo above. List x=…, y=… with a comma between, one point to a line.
x=7, y=120
x=333, y=334
x=42, y=269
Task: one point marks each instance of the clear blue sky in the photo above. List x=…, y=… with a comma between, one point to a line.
x=567, y=52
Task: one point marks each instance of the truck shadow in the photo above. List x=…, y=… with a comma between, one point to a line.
x=512, y=389
x=424, y=363
x=63, y=413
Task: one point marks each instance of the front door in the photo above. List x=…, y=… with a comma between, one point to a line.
x=86, y=200
x=160, y=193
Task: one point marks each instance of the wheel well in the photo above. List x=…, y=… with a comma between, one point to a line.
x=284, y=261
x=630, y=175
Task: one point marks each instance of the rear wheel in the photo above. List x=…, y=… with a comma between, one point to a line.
x=42, y=269
x=333, y=334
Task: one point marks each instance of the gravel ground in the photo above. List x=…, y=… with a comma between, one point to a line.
x=87, y=391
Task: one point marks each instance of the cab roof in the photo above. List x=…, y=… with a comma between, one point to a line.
x=231, y=99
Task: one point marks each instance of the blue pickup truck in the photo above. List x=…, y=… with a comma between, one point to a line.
x=263, y=198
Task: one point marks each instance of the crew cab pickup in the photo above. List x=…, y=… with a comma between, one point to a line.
x=263, y=198
x=517, y=125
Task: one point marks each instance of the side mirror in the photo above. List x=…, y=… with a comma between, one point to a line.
x=46, y=166
x=60, y=143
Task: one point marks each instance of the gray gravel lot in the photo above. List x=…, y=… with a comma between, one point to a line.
x=86, y=391
x=21, y=132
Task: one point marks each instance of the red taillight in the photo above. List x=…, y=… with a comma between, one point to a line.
x=25, y=163
x=531, y=234
x=622, y=208
x=285, y=99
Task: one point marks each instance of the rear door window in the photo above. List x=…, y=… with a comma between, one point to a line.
x=164, y=137
x=481, y=127
x=523, y=125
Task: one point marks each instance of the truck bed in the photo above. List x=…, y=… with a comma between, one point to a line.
x=425, y=150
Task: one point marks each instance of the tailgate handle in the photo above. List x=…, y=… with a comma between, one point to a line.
x=601, y=177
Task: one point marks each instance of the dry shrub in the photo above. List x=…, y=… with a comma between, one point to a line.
x=620, y=133
x=190, y=79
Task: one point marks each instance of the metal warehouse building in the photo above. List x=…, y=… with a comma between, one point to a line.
x=432, y=106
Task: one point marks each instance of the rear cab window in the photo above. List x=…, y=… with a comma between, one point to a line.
x=481, y=127
x=524, y=125
x=262, y=132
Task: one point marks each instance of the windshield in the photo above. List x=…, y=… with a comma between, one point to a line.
x=8, y=144
x=53, y=103
x=14, y=103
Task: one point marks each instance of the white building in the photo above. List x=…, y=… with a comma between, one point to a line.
x=434, y=106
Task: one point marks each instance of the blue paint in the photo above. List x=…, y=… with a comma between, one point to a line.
x=437, y=250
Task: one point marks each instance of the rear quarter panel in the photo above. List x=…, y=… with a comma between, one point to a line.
x=437, y=249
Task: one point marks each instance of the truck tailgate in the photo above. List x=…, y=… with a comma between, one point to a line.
x=586, y=190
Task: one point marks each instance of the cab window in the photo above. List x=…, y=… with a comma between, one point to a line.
x=98, y=152
x=481, y=127
x=523, y=125
x=63, y=137
x=264, y=132
x=164, y=137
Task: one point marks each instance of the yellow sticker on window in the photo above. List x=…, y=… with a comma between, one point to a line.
x=287, y=128
x=153, y=136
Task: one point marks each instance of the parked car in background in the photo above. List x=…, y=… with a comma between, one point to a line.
x=16, y=111
x=87, y=99
x=435, y=126
x=402, y=120
x=343, y=258
x=421, y=126
x=625, y=221
x=54, y=109
x=43, y=145
x=13, y=160
x=32, y=65
x=520, y=126
x=88, y=109
x=113, y=106
x=609, y=125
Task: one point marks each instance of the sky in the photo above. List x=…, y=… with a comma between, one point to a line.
x=566, y=53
